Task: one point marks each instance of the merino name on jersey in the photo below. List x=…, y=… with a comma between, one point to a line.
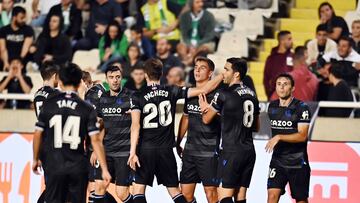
x=246, y=91
x=155, y=93
x=67, y=104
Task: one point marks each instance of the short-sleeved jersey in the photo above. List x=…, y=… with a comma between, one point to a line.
x=66, y=121
x=93, y=95
x=41, y=95
x=114, y=110
x=202, y=139
x=285, y=120
x=239, y=108
x=157, y=105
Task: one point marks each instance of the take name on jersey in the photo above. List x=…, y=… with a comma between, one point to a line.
x=67, y=104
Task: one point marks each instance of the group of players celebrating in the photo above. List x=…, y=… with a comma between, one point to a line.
x=128, y=137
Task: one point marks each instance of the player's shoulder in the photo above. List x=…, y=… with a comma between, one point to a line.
x=298, y=103
x=274, y=103
x=97, y=90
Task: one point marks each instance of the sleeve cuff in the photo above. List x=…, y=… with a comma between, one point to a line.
x=38, y=128
x=94, y=132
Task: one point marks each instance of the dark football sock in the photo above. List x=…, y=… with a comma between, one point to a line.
x=241, y=201
x=140, y=198
x=91, y=196
x=99, y=198
x=129, y=199
x=227, y=200
x=193, y=201
x=179, y=198
x=42, y=197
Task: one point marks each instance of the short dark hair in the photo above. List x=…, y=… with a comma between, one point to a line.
x=16, y=10
x=16, y=58
x=153, y=68
x=282, y=34
x=138, y=66
x=346, y=38
x=299, y=52
x=48, y=69
x=287, y=76
x=70, y=74
x=86, y=77
x=336, y=69
x=321, y=27
x=209, y=62
x=325, y=4
x=238, y=65
x=136, y=28
x=112, y=68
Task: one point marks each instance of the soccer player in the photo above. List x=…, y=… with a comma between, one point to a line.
x=239, y=109
x=199, y=158
x=49, y=74
x=65, y=121
x=153, y=113
x=114, y=109
x=289, y=120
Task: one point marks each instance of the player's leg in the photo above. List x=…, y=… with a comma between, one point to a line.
x=211, y=194
x=299, y=180
x=240, y=196
x=77, y=186
x=91, y=184
x=188, y=191
x=139, y=193
x=188, y=178
x=277, y=180
x=100, y=185
x=123, y=179
x=206, y=167
x=55, y=188
x=225, y=195
x=245, y=170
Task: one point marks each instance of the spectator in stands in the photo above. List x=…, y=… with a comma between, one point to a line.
x=339, y=92
x=15, y=38
x=72, y=18
x=336, y=25
x=355, y=35
x=6, y=10
x=306, y=83
x=112, y=46
x=137, y=80
x=102, y=13
x=324, y=84
x=52, y=44
x=320, y=45
x=279, y=61
x=169, y=60
x=349, y=59
x=39, y=13
x=197, y=31
x=16, y=82
x=146, y=48
x=132, y=60
x=176, y=76
x=160, y=20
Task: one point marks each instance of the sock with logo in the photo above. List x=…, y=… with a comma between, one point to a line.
x=179, y=198
x=129, y=199
x=139, y=198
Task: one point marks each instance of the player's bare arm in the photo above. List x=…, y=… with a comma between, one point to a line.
x=209, y=87
x=183, y=127
x=36, y=167
x=300, y=136
x=98, y=147
x=134, y=138
x=208, y=113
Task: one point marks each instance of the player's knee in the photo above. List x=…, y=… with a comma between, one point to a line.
x=189, y=196
x=211, y=194
x=122, y=192
x=272, y=197
x=100, y=187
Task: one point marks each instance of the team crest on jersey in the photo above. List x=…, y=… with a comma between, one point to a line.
x=305, y=115
x=99, y=93
x=119, y=101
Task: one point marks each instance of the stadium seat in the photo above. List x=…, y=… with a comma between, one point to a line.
x=301, y=13
x=299, y=25
x=337, y=4
x=233, y=44
x=256, y=67
x=350, y=17
x=87, y=60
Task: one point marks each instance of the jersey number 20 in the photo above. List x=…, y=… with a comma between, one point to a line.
x=163, y=112
x=69, y=134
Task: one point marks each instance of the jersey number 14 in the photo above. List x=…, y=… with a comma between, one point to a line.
x=68, y=134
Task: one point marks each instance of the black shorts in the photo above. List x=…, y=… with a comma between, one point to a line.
x=199, y=169
x=62, y=187
x=158, y=162
x=235, y=169
x=298, y=179
x=91, y=171
x=118, y=169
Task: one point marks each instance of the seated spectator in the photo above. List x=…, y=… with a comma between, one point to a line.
x=197, y=31
x=355, y=35
x=320, y=45
x=132, y=59
x=340, y=91
x=279, y=61
x=176, y=76
x=102, y=13
x=6, y=10
x=137, y=80
x=160, y=20
x=146, y=48
x=72, y=18
x=306, y=83
x=40, y=12
x=52, y=44
x=349, y=59
x=15, y=38
x=112, y=46
x=336, y=25
x=324, y=84
x=16, y=82
x=169, y=60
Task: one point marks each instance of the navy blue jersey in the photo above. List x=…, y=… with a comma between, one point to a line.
x=285, y=120
x=41, y=95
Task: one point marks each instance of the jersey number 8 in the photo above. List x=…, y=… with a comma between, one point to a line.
x=69, y=134
x=163, y=111
x=248, y=118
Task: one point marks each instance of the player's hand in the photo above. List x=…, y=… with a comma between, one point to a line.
x=106, y=176
x=36, y=167
x=93, y=159
x=179, y=150
x=204, y=105
x=272, y=143
x=133, y=161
